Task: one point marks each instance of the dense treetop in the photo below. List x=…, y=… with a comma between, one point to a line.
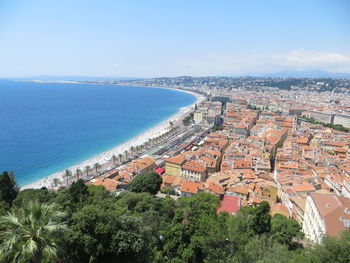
x=97, y=226
x=147, y=182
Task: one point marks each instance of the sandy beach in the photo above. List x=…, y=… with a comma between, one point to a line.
x=106, y=156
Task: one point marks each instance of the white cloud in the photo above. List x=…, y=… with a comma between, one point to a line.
x=305, y=57
x=245, y=63
x=201, y=64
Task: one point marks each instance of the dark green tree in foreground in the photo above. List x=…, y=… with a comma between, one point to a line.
x=333, y=249
x=140, y=227
x=148, y=182
x=42, y=195
x=8, y=187
x=78, y=191
x=284, y=230
x=31, y=233
x=105, y=235
x=261, y=220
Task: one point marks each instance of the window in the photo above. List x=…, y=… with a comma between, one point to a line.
x=346, y=222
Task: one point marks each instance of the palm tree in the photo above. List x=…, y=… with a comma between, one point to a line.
x=114, y=158
x=30, y=233
x=126, y=154
x=132, y=149
x=157, y=139
x=120, y=157
x=56, y=181
x=67, y=175
x=78, y=173
x=97, y=166
x=87, y=169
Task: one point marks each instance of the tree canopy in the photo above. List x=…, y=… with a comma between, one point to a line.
x=140, y=227
x=8, y=187
x=148, y=182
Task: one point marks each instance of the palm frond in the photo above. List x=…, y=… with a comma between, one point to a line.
x=10, y=219
x=50, y=251
x=31, y=232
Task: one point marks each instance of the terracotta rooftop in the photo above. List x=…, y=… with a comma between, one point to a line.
x=214, y=187
x=190, y=187
x=238, y=189
x=177, y=159
x=303, y=188
x=194, y=166
x=109, y=184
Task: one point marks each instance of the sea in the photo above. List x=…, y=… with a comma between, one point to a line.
x=48, y=127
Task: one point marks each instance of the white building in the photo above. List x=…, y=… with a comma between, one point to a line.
x=346, y=187
x=198, y=117
x=342, y=120
x=325, y=214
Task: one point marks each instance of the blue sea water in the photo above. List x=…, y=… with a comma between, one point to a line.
x=47, y=127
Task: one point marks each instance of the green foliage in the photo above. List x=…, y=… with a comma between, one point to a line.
x=217, y=128
x=30, y=233
x=8, y=187
x=261, y=219
x=78, y=191
x=43, y=195
x=140, y=227
x=104, y=234
x=195, y=234
x=264, y=249
x=188, y=119
x=168, y=190
x=283, y=230
x=337, y=127
x=4, y=207
x=148, y=182
x=333, y=249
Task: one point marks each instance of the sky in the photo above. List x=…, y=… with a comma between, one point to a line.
x=154, y=38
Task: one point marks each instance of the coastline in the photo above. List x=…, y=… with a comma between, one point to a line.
x=106, y=156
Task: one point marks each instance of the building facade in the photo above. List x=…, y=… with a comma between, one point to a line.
x=325, y=214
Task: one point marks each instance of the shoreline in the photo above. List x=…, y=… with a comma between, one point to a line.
x=106, y=156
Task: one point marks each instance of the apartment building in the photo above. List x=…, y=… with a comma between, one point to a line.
x=325, y=214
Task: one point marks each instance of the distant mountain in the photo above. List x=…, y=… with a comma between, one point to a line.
x=306, y=74
x=79, y=78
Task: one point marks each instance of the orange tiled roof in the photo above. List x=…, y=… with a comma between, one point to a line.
x=109, y=184
x=238, y=189
x=303, y=188
x=190, y=187
x=214, y=187
x=194, y=166
x=177, y=159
